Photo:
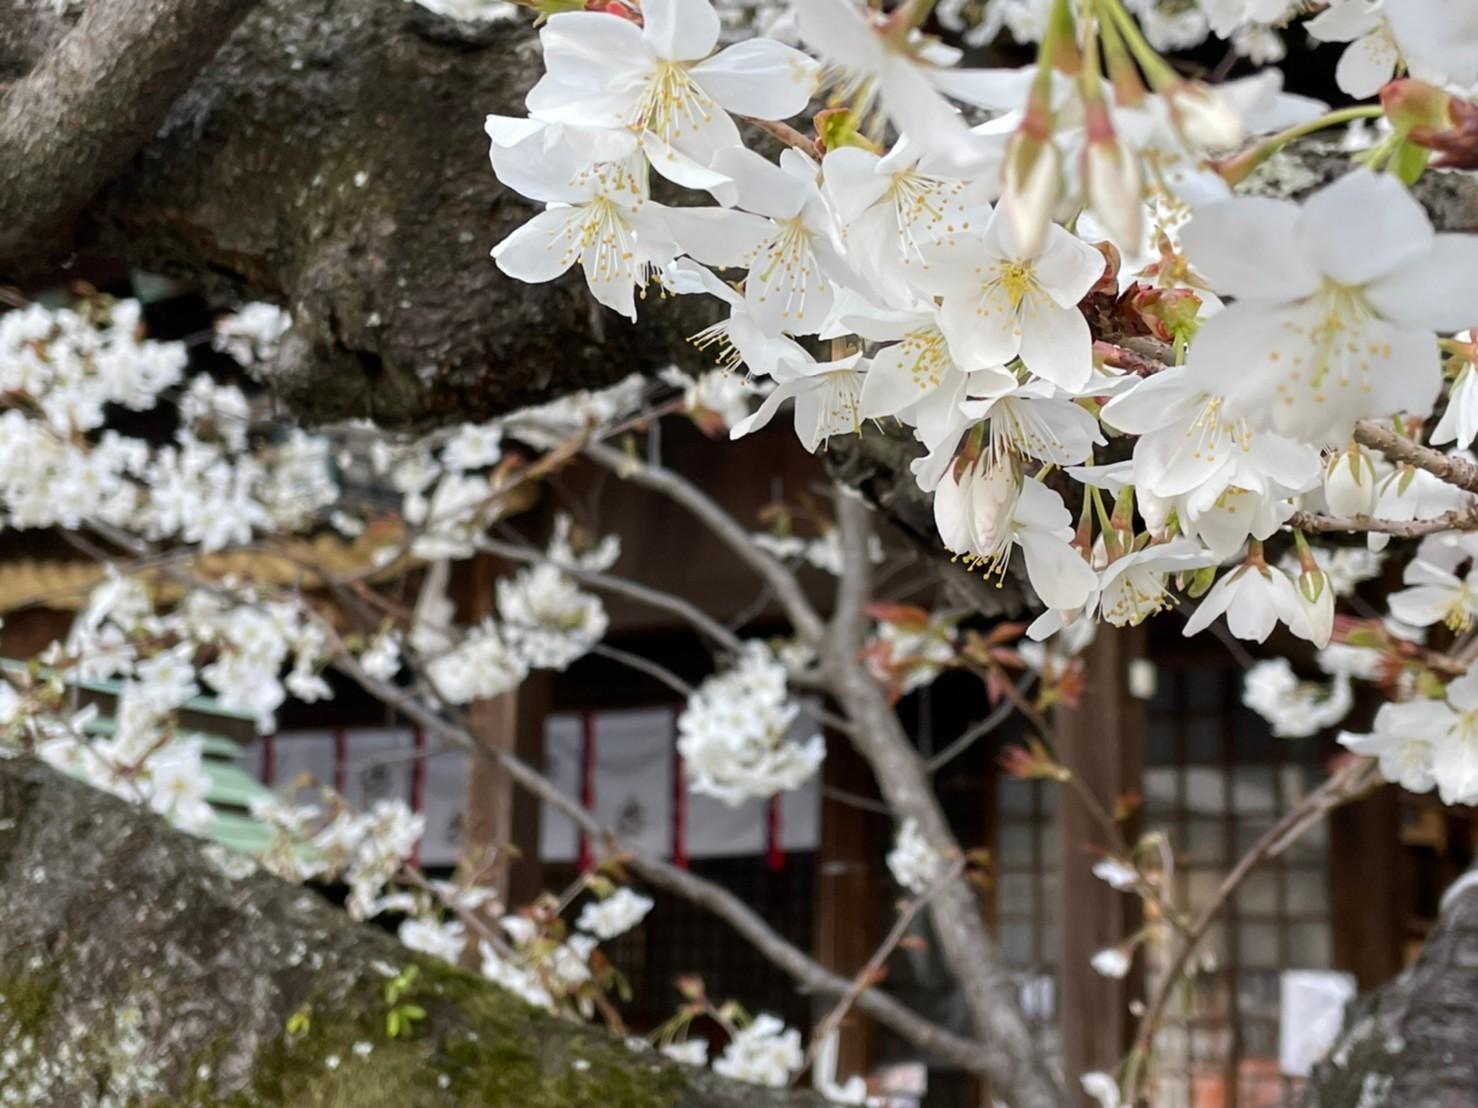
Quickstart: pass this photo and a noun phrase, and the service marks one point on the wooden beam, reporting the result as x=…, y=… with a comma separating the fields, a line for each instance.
x=1102, y=742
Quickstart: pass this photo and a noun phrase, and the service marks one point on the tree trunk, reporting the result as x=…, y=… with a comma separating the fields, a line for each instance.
x=331, y=157
x=134, y=969
x=1413, y=1043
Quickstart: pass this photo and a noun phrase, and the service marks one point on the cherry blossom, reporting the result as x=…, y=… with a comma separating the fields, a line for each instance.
x=615, y=914
x=913, y=863
x=1329, y=326
x=1000, y=300
x=763, y=1053
x=662, y=82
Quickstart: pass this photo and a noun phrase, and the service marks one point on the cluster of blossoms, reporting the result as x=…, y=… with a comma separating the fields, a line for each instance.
x=162, y=660
x=544, y=621
x=1295, y=709
x=765, y=1052
x=939, y=266
x=61, y=370
x=735, y=733
x=913, y=863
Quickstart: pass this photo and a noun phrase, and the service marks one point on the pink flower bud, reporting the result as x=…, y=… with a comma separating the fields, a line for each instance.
x=1411, y=103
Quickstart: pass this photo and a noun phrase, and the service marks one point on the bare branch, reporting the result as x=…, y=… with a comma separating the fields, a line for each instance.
x=977, y=731
x=680, y=490
x=871, y=970
x=72, y=124
x=1399, y=448
x=1009, y=1054
x=644, y=665
x=786, y=134
x=1457, y=520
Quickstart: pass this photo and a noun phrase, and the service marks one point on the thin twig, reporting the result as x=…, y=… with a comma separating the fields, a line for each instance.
x=680, y=490
x=786, y=134
x=872, y=968
x=644, y=665
x=977, y=731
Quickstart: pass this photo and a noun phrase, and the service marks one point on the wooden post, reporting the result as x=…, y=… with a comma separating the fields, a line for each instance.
x=496, y=815
x=1102, y=742
x=1369, y=887
x=488, y=824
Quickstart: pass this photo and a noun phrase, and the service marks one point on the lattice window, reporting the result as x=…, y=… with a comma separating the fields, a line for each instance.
x=1026, y=897
x=1215, y=780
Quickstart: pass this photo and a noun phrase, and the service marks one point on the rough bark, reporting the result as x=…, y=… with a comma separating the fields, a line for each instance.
x=1413, y=1043
x=96, y=96
x=332, y=158
x=134, y=970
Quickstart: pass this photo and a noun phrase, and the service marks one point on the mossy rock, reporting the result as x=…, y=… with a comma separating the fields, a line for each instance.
x=135, y=971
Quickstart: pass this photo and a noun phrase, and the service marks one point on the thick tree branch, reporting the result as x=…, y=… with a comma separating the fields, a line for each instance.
x=1413, y=1041
x=92, y=101
x=142, y=972
x=1008, y=1054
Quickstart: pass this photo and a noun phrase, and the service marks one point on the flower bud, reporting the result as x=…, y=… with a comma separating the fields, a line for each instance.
x=1316, y=597
x=1031, y=187
x=1170, y=314
x=1112, y=961
x=1113, y=184
x=1204, y=118
x=1411, y=103
x=1349, y=482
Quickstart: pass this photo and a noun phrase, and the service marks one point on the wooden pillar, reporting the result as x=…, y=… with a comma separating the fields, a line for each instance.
x=488, y=825
x=499, y=821
x=1102, y=742
x=848, y=927
x=1369, y=887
